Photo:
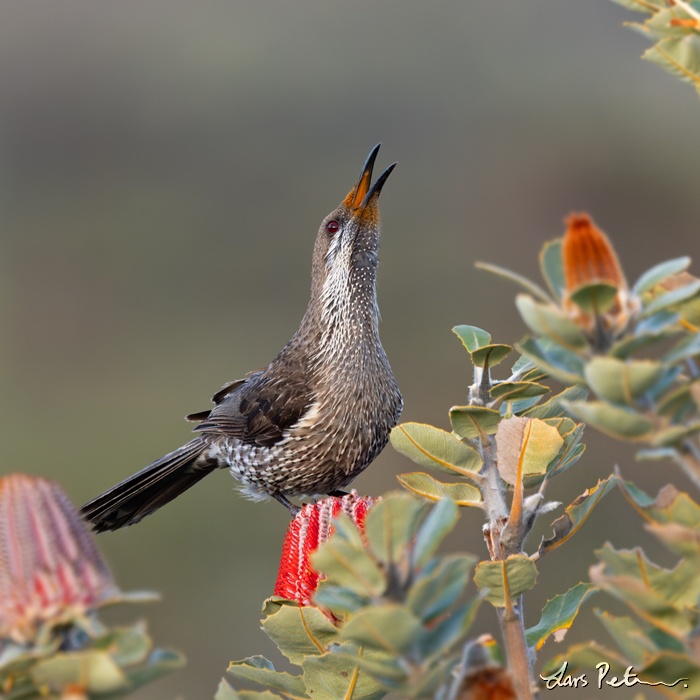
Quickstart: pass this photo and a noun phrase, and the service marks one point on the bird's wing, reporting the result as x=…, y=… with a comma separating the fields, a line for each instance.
x=259, y=409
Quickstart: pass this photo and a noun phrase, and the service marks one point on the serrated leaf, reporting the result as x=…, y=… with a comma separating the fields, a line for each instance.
x=552, y=267
x=555, y=361
x=554, y=408
x=621, y=382
x=434, y=448
x=391, y=628
x=259, y=670
x=515, y=575
x=490, y=355
x=391, y=525
x=300, y=631
x=525, y=446
x=512, y=391
x=669, y=505
x=660, y=272
x=617, y=422
x=680, y=294
x=441, y=519
x=525, y=283
x=472, y=337
x=546, y=319
x=349, y=567
x=434, y=593
x=471, y=422
x=425, y=485
x=558, y=615
x=576, y=514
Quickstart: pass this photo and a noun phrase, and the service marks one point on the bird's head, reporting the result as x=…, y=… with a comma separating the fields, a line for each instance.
x=346, y=251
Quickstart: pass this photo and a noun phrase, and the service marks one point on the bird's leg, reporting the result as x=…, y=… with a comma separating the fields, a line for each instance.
x=338, y=493
x=287, y=504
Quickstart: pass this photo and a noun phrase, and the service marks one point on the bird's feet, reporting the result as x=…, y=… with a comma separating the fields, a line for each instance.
x=287, y=504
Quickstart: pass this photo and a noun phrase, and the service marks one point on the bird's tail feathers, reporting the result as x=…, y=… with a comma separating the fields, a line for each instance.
x=147, y=490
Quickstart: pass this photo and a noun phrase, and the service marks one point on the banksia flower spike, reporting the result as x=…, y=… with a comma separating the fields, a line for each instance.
x=50, y=569
x=596, y=295
x=297, y=580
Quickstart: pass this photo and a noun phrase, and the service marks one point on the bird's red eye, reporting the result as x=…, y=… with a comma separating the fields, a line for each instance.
x=333, y=226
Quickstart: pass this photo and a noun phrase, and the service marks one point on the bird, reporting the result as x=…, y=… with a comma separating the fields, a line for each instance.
x=322, y=410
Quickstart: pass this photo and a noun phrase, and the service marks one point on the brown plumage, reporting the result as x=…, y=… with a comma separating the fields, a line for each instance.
x=322, y=410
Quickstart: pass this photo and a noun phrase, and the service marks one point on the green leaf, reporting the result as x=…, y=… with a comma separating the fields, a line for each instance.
x=471, y=422
x=679, y=56
x=554, y=360
x=660, y=272
x=516, y=574
x=659, y=595
x=576, y=514
x=298, y=631
x=571, y=453
x=555, y=407
x=425, y=485
x=617, y=422
x=160, y=663
x=525, y=283
x=435, y=592
x=490, y=355
x=338, y=676
x=688, y=347
x=441, y=519
x=563, y=425
x=450, y=630
x=596, y=298
x=512, y=391
x=669, y=505
x=226, y=692
x=680, y=294
x=95, y=671
x=434, y=448
x=546, y=319
x=552, y=267
x=526, y=446
x=674, y=435
x=349, y=567
x=391, y=525
x=391, y=628
x=558, y=615
x=338, y=599
x=472, y=337
x=260, y=670
x=628, y=635
x=621, y=382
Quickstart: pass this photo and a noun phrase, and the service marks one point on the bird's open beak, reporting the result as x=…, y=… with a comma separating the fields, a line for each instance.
x=362, y=194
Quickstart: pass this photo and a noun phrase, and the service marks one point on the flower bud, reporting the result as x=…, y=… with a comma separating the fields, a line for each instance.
x=312, y=525
x=50, y=569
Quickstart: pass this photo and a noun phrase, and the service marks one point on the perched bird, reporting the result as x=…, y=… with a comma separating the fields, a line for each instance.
x=323, y=409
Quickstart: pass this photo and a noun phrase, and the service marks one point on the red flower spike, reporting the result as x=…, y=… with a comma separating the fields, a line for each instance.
x=589, y=257
x=312, y=526
x=50, y=569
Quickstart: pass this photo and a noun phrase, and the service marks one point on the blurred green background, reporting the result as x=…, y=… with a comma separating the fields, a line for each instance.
x=164, y=167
